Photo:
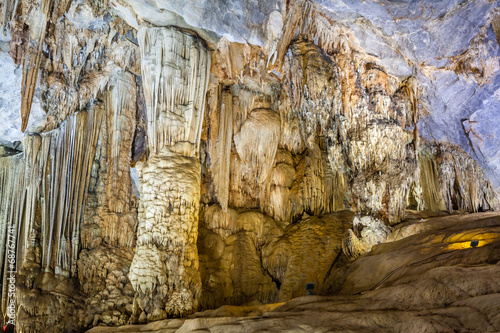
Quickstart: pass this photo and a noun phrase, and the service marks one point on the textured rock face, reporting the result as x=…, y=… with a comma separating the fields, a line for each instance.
x=189, y=155
x=165, y=265
x=248, y=256
x=365, y=233
x=427, y=278
x=164, y=272
x=238, y=21
x=452, y=48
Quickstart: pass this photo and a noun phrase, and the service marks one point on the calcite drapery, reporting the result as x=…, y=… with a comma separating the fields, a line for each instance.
x=164, y=272
x=451, y=180
x=110, y=219
x=43, y=192
x=175, y=68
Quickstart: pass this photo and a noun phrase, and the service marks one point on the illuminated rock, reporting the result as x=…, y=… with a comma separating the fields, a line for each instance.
x=181, y=156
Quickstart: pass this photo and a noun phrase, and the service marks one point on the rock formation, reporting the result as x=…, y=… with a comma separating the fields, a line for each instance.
x=164, y=271
x=411, y=284
x=164, y=157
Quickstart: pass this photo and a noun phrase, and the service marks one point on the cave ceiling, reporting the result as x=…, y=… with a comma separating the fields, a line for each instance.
x=450, y=46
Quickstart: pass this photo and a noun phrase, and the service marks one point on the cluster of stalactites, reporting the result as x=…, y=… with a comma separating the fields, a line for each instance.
x=50, y=39
x=257, y=142
x=304, y=20
x=362, y=128
x=113, y=221
x=37, y=22
x=451, y=180
x=175, y=72
x=43, y=190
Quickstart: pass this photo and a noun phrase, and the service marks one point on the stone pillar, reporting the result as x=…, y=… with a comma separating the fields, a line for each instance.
x=164, y=271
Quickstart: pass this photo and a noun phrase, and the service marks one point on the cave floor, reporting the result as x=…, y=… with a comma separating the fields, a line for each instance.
x=428, y=277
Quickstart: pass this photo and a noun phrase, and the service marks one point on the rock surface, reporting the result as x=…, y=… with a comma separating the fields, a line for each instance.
x=427, y=278
x=183, y=156
x=164, y=271
x=450, y=46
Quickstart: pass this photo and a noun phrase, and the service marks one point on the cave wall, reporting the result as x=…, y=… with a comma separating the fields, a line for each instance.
x=258, y=164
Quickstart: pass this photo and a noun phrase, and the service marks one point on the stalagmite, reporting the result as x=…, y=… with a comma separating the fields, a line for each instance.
x=164, y=271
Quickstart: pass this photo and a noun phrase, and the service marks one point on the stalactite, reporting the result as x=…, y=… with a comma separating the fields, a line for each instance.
x=12, y=184
x=220, y=149
x=312, y=190
x=120, y=104
x=302, y=132
x=84, y=66
x=363, y=131
x=295, y=21
x=328, y=36
x=49, y=177
x=175, y=93
x=31, y=66
x=451, y=180
x=257, y=142
x=429, y=181
x=9, y=10
x=410, y=87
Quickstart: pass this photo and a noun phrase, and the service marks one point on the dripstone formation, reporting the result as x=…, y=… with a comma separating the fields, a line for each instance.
x=164, y=271
x=181, y=157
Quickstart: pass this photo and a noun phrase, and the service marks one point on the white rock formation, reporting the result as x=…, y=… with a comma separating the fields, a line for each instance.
x=164, y=272
x=365, y=233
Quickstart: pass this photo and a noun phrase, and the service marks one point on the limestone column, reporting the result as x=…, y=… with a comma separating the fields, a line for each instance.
x=164, y=271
